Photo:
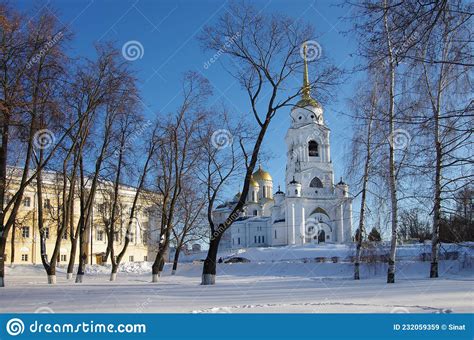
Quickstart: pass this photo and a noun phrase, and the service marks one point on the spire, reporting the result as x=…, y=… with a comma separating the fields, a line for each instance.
x=306, y=99
x=306, y=89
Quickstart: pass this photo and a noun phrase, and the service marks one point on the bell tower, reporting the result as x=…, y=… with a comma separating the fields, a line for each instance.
x=307, y=139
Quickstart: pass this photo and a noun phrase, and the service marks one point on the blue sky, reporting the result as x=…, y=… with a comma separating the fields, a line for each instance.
x=167, y=31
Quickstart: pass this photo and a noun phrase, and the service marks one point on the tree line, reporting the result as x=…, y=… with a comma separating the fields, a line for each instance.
x=412, y=151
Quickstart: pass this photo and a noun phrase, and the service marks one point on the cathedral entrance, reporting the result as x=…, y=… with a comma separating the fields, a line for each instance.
x=321, y=236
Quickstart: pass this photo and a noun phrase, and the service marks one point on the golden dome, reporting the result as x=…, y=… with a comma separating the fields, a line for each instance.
x=261, y=175
x=253, y=182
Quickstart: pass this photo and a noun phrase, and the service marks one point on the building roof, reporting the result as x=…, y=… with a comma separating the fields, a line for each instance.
x=261, y=175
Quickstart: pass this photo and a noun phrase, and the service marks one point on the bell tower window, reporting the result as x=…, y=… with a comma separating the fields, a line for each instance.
x=313, y=149
x=316, y=183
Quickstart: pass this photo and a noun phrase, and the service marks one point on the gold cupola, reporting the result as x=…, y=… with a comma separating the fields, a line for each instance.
x=261, y=175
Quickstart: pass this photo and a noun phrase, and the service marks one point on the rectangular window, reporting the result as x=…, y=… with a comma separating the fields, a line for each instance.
x=275, y=234
x=27, y=202
x=100, y=235
x=259, y=239
x=116, y=236
x=63, y=258
x=46, y=233
x=238, y=240
x=47, y=203
x=145, y=258
x=24, y=257
x=130, y=258
x=255, y=239
x=64, y=237
x=263, y=239
x=25, y=232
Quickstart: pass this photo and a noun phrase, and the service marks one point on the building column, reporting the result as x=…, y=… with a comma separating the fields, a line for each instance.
x=303, y=227
x=340, y=230
x=292, y=224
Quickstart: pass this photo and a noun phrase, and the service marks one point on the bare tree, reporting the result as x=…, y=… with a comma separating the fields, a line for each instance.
x=367, y=106
x=24, y=99
x=151, y=146
x=190, y=226
x=104, y=85
x=265, y=51
x=442, y=85
x=177, y=156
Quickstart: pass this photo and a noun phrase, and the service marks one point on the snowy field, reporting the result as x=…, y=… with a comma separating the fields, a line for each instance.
x=276, y=280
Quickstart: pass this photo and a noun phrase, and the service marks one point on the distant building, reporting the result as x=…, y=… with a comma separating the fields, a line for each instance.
x=312, y=209
x=26, y=236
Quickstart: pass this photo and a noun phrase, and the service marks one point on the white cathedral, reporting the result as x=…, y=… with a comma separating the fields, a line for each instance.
x=312, y=210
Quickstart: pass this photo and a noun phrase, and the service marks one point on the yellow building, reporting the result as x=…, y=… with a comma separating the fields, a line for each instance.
x=25, y=237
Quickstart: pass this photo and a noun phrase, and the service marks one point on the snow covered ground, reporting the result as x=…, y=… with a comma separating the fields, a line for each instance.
x=287, y=279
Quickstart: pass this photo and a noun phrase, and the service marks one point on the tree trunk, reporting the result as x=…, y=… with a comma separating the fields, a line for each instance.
x=12, y=245
x=437, y=194
x=175, y=260
x=159, y=263
x=210, y=264
x=113, y=274
x=72, y=258
x=392, y=174
x=364, y=189
x=82, y=258
x=3, y=245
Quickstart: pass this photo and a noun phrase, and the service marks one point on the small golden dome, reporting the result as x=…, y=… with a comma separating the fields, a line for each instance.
x=253, y=182
x=261, y=175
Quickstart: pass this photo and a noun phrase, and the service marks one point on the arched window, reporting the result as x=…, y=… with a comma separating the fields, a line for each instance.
x=313, y=149
x=316, y=183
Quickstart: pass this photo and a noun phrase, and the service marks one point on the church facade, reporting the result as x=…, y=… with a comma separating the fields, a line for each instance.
x=312, y=209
